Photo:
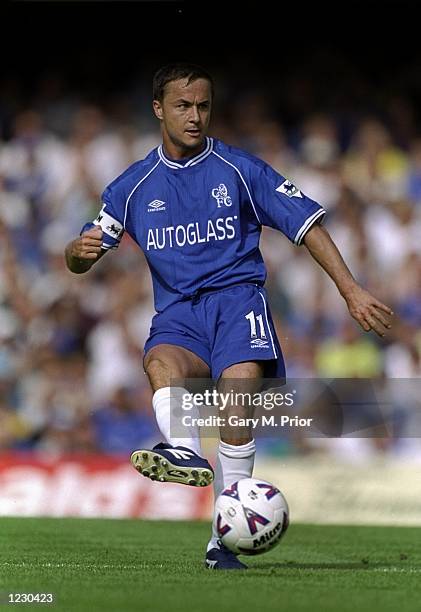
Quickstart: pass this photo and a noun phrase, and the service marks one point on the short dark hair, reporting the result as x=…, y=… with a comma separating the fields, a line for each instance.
x=174, y=72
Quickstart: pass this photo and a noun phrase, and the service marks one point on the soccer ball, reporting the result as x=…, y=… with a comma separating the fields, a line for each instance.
x=251, y=516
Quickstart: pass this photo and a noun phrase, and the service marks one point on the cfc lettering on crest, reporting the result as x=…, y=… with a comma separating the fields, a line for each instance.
x=221, y=196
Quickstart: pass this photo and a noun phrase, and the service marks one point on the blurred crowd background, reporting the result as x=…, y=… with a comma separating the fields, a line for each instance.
x=71, y=346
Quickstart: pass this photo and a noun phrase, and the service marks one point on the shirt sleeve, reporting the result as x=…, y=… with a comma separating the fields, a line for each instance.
x=281, y=205
x=110, y=221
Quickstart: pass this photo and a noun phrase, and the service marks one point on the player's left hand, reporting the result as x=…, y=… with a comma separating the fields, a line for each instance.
x=368, y=311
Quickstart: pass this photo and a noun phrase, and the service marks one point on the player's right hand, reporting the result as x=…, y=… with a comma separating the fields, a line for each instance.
x=88, y=245
x=368, y=311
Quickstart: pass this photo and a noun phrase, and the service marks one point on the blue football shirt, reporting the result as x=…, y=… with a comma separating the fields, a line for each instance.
x=199, y=222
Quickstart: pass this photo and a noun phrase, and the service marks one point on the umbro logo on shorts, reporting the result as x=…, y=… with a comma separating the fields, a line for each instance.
x=258, y=343
x=156, y=205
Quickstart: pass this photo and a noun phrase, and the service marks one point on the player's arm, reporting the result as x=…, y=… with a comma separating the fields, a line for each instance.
x=363, y=307
x=281, y=205
x=83, y=252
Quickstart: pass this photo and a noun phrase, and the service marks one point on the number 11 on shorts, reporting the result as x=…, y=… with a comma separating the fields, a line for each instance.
x=251, y=317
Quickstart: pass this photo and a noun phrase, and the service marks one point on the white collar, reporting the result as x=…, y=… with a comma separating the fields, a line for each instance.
x=192, y=162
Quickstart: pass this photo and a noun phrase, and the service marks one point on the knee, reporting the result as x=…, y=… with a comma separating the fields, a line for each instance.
x=165, y=364
x=163, y=367
x=158, y=371
x=156, y=364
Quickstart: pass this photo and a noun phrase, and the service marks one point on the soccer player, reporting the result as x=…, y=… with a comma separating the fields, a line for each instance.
x=195, y=206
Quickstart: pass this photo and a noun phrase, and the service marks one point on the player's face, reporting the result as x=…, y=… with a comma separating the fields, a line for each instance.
x=184, y=114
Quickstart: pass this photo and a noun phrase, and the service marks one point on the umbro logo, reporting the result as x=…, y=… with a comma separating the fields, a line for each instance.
x=156, y=205
x=258, y=343
x=289, y=190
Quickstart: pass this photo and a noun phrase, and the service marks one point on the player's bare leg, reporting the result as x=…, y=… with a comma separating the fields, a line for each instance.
x=240, y=378
x=237, y=448
x=177, y=459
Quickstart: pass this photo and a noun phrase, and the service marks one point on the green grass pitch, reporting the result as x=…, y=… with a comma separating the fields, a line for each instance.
x=147, y=566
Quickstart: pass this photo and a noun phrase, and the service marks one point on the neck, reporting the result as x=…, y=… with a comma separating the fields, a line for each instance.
x=176, y=151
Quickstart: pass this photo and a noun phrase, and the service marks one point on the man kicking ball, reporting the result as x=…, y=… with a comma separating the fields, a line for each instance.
x=195, y=206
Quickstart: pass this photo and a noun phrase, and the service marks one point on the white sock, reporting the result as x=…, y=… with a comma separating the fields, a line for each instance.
x=167, y=400
x=233, y=463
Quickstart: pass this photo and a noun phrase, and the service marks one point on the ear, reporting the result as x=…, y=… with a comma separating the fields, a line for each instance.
x=157, y=107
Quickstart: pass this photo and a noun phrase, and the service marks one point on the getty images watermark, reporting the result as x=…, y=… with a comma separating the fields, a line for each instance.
x=224, y=402
x=352, y=407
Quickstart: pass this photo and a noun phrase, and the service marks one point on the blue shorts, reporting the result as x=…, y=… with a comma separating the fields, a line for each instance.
x=222, y=327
